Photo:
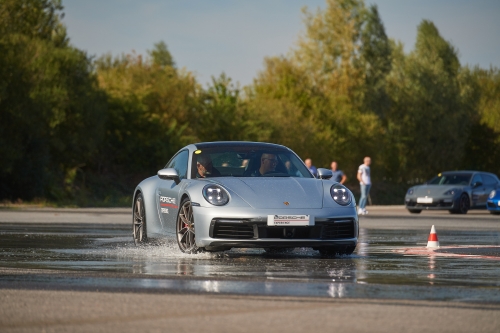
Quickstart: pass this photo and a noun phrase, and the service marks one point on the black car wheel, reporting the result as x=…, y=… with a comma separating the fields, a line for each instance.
x=139, y=221
x=185, y=228
x=336, y=250
x=415, y=211
x=463, y=205
x=494, y=213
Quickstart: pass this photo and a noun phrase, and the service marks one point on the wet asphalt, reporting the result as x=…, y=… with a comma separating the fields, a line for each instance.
x=93, y=250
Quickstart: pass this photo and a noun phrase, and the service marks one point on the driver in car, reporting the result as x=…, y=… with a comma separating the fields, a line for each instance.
x=268, y=164
x=205, y=167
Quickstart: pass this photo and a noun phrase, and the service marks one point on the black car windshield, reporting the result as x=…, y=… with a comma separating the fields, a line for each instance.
x=247, y=161
x=451, y=179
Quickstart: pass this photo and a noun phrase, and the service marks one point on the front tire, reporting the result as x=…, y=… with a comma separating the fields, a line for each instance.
x=415, y=211
x=139, y=221
x=186, y=237
x=463, y=205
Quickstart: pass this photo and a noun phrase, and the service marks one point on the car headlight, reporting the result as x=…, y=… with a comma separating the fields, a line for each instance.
x=216, y=195
x=410, y=191
x=492, y=194
x=451, y=192
x=341, y=195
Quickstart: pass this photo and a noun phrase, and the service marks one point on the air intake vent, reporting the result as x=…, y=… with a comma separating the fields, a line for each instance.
x=232, y=230
x=338, y=230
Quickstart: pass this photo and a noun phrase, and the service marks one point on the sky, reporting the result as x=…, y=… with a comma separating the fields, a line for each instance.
x=209, y=37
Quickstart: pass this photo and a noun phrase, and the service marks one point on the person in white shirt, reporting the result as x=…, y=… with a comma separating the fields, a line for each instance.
x=365, y=183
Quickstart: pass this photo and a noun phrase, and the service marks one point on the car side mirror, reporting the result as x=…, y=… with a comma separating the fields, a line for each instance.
x=324, y=173
x=477, y=184
x=169, y=174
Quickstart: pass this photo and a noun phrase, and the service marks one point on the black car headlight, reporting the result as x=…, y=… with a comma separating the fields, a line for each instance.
x=340, y=194
x=410, y=192
x=492, y=194
x=216, y=195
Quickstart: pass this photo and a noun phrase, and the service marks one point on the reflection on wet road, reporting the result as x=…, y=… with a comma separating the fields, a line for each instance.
x=374, y=270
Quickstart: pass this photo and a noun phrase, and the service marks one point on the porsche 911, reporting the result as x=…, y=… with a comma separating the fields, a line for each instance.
x=216, y=196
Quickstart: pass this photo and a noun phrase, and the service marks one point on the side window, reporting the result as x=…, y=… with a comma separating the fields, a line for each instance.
x=477, y=178
x=489, y=180
x=180, y=164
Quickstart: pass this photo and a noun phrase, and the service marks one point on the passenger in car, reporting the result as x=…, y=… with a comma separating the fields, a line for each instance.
x=205, y=167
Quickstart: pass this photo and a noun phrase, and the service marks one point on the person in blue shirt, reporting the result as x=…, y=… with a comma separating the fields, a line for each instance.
x=338, y=175
x=312, y=168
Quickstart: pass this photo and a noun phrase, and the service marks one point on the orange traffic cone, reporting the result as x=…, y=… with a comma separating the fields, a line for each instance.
x=433, y=238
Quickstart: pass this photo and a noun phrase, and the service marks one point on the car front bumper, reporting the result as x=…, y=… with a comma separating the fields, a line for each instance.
x=246, y=227
x=493, y=205
x=446, y=203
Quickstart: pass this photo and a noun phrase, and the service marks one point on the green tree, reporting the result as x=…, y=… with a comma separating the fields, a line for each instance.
x=150, y=107
x=376, y=59
x=161, y=56
x=427, y=118
x=482, y=92
x=221, y=116
x=34, y=19
x=51, y=111
x=315, y=95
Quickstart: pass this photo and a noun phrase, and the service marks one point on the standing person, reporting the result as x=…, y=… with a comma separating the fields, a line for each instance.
x=312, y=168
x=338, y=175
x=365, y=184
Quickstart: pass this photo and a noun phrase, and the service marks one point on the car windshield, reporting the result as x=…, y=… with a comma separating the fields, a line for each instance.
x=247, y=161
x=451, y=179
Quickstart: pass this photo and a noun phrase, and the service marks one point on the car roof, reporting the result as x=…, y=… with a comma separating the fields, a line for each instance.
x=466, y=171
x=462, y=172
x=469, y=171
x=260, y=145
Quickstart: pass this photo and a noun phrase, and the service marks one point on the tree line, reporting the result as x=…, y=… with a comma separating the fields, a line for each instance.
x=81, y=130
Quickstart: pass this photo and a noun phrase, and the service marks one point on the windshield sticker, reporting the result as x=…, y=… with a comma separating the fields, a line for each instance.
x=197, y=152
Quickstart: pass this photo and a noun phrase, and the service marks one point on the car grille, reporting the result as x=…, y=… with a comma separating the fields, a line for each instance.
x=246, y=229
x=338, y=230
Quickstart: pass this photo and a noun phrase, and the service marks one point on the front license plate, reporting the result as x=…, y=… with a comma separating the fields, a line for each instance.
x=424, y=200
x=289, y=220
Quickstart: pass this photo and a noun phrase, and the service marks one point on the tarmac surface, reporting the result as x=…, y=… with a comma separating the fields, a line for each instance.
x=78, y=270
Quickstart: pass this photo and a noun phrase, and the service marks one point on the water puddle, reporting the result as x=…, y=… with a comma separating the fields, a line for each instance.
x=374, y=270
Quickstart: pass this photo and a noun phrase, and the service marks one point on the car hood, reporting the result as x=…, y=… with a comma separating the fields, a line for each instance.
x=273, y=192
x=433, y=190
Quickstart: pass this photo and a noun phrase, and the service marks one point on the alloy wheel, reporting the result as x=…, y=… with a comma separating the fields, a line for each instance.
x=185, y=228
x=464, y=204
x=139, y=221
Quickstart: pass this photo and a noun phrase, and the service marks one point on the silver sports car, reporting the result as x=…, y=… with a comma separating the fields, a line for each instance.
x=218, y=195
x=456, y=191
